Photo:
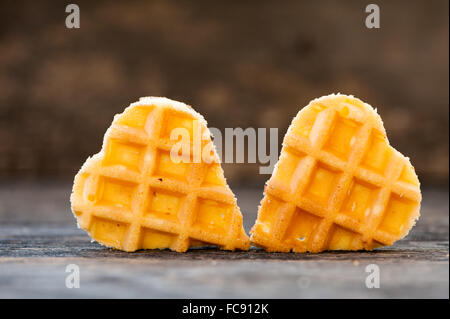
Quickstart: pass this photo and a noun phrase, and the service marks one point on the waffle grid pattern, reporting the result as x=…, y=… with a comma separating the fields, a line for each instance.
x=129, y=221
x=293, y=203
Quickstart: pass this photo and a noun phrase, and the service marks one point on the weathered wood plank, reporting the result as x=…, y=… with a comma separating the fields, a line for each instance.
x=38, y=239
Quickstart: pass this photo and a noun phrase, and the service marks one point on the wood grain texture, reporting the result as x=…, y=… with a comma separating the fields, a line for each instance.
x=39, y=238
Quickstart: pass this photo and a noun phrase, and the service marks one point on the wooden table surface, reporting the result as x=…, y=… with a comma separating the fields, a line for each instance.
x=39, y=238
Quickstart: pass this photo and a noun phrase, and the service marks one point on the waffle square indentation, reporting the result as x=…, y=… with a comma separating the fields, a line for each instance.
x=301, y=228
x=135, y=117
x=343, y=239
x=213, y=215
x=359, y=201
x=174, y=121
x=378, y=154
x=288, y=170
x=164, y=204
x=108, y=232
x=115, y=192
x=342, y=137
x=126, y=154
x=397, y=214
x=166, y=166
x=322, y=184
x=152, y=238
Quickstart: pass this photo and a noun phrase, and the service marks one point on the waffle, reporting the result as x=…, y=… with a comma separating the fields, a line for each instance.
x=338, y=184
x=132, y=195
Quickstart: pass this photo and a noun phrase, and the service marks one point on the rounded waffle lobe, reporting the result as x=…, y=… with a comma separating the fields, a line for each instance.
x=338, y=184
x=132, y=194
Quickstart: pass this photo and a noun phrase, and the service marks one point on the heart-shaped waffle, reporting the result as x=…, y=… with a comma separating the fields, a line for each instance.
x=133, y=195
x=338, y=184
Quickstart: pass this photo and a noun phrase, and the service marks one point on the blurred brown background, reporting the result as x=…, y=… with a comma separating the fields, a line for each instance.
x=241, y=64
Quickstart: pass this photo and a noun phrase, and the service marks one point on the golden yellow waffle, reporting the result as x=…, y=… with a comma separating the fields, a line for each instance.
x=132, y=195
x=338, y=184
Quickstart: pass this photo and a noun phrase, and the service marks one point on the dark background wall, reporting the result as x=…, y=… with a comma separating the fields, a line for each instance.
x=246, y=63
